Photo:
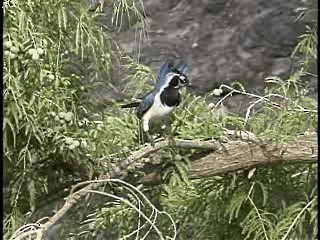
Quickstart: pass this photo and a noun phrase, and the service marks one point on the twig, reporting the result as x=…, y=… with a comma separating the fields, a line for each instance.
x=259, y=216
x=226, y=96
x=73, y=198
x=296, y=219
x=265, y=98
x=132, y=206
x=256, y=210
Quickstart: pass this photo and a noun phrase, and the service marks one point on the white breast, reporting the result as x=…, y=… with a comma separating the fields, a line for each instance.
x=157, y=110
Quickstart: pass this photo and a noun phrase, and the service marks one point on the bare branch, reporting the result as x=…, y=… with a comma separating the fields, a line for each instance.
x=237, y=155
x=265, y=99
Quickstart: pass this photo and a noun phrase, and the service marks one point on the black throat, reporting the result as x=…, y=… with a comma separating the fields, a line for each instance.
x=170, y=96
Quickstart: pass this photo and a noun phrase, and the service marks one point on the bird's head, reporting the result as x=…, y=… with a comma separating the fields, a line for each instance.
x=177, y=80
x=173, y=76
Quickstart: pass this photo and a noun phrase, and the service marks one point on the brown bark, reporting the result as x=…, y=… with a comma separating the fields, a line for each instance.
x=236, y=155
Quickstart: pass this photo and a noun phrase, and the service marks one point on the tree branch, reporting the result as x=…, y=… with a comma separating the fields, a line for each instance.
x=228, y=157
x=238, y=155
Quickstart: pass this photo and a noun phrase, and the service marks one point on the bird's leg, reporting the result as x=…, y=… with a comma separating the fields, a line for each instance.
x=146, y=130
x=150, y=138
x=171, y=135
x=170, y=130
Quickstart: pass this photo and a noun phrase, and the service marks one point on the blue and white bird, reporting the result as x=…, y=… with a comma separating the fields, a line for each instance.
x=165, y=95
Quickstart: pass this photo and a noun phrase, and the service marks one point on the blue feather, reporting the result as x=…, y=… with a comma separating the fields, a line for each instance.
x=166, y=68
x=145, y=104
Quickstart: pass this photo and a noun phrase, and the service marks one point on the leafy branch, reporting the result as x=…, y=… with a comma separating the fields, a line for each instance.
x=227, y=157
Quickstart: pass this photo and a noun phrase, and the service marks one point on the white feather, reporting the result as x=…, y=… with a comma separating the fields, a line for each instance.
x=157, y=110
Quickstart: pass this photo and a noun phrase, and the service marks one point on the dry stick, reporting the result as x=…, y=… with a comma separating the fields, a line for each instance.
x=128, y=186
x=132, y=206
x=261, y=98
x=26, y=234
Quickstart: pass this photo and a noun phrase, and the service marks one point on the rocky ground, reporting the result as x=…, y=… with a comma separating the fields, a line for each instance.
x=223, y=40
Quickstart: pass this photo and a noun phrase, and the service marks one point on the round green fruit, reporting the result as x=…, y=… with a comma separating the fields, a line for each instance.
x=177, y=157
x=40, y=51
x=72, y=146
x=8, y=44
x=12, y=55
x=84, y=144
x=51, y=76
x=14, y=49
x=35, y=56
x=76, y=143
x=32, y=51
x=68, y=116
x=69, y=140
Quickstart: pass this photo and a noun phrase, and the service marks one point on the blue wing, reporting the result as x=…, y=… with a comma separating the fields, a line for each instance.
x=165, y=69
x=145, y=104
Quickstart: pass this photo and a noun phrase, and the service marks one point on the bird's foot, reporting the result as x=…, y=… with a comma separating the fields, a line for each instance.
x=151, y=140
x=171, y=139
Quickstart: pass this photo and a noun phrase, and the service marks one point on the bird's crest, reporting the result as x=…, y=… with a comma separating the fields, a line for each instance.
x=183, y=68
x=168, y=67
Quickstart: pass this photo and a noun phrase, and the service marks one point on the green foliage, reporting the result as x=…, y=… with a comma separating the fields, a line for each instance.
x=293, y=115
x=197, y=118
x=56, y=56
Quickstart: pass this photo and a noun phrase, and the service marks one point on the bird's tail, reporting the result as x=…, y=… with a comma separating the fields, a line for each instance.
x=130, y=105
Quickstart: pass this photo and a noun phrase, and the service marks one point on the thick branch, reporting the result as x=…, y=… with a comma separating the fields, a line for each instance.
x=238, y=155
x=227, y=157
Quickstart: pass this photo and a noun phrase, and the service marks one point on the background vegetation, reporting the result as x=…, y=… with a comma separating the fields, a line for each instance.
x=56, y=134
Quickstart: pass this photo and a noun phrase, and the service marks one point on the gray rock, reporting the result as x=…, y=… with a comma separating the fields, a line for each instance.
x=223, y=41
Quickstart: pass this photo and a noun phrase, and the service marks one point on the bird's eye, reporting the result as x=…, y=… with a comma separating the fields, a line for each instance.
x=183, y=80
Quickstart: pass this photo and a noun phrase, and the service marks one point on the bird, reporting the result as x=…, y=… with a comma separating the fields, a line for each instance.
x=162, y=100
